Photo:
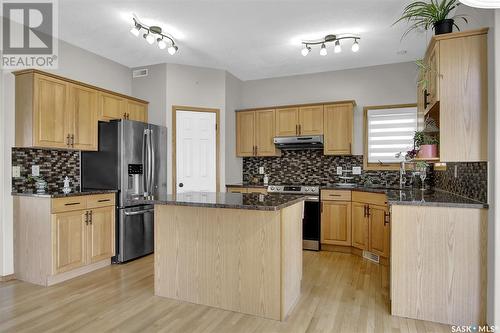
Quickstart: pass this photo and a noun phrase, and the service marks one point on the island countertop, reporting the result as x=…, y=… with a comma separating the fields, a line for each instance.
x=250, y=201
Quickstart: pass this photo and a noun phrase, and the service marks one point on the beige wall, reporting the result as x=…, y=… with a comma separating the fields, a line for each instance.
x=74, y=63
x=234, y=167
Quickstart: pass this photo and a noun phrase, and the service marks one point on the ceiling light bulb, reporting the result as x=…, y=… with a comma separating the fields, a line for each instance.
x=134, y=31
x=172, y=49
x=355, y=46
x=323, y=51
x=161, y=44
x=337, y=48
x=149, y=38
x=305, y=50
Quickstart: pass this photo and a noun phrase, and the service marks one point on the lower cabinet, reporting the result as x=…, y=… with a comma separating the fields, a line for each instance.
x=61, y=238
x=370, y=228
x=360, y=227
x=336, y=223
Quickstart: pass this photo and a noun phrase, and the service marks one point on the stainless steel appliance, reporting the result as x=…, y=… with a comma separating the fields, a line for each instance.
x=311, y=223
x=299, y=142
x=132, y=159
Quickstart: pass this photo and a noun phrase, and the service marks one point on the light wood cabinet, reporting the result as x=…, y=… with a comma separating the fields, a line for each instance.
x=83, y=118
x=255, y=133
x=303, y=120
x=455, y=89
x=58, y=239
x=259, y=190
x=69, y=235
x=287, y=122
x=56, y=112
x=338, y=125
x=379, y=230
x=137, y=111
x=336, y=223
x=360, y=228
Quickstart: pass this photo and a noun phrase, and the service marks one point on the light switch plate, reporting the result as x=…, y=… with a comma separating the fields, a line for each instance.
x=339, y=170
x=455, y=172
x=261, y=170
x=35, y=170
x=16, y=171
x=356, y=170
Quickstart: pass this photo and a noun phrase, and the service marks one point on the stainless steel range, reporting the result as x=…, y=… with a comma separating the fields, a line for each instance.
x=311, y=226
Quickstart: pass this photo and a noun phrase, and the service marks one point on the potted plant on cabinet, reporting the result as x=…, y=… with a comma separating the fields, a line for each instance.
x=435, y=14
x=426, y=145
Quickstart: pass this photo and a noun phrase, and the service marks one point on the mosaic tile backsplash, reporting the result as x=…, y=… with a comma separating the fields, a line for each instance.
x=54, y=166
x=311, y=167
x=471, y=180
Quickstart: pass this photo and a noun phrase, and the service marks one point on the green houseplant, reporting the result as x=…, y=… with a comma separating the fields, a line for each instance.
x=425, y=144
x=435, y=14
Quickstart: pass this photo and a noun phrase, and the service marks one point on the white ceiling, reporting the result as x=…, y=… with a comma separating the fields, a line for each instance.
x=250, y=39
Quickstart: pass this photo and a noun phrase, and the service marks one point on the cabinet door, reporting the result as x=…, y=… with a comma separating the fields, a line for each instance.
x=83, y=117
x=379, y=231
x=336, y=223
x=245, y=133
x=111, y=107
x=287, y=122
x=137, y=111
x=311, y=120
x=50, y=116
x=265, y=132
x=433, y=77
x=237, y=190
x=68, y=241
x=359, y=226
x=338, y=129
x=101, y=234
x=420, y=107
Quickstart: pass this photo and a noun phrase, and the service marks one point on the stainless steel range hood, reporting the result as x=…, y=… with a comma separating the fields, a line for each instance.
x=299, y=142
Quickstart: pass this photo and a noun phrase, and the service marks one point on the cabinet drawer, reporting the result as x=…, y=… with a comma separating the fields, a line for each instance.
x=370, y=198
x=69, y=204
x=237, y=189
x=257, y=190
x=336, y=195
x=101, y=200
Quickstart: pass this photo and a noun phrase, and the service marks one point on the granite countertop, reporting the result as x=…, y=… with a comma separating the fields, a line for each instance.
x=60, y=194
x=267, y=202
x=416, y=197
x=246, y=185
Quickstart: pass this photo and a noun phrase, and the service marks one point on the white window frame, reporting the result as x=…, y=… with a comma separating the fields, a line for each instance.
x=377, y=165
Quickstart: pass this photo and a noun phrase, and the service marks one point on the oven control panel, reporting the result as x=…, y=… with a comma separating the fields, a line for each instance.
x=293, y=189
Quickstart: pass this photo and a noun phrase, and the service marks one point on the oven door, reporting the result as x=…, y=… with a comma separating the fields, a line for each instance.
x=135, y=232
x=311, y=224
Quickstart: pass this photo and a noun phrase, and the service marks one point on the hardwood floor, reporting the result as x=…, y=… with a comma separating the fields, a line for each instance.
x=340, y=293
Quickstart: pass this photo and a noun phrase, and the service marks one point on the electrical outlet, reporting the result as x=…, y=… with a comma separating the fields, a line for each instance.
x=261, y=170
x=356, y=170
x=16, y=171
x=339, y=170
x=35, y=170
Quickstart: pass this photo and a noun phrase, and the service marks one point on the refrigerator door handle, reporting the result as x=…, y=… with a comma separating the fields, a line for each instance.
x=145, y=157
x=152, y=165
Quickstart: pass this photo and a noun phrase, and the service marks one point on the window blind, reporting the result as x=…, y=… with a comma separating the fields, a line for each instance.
x=390, y=131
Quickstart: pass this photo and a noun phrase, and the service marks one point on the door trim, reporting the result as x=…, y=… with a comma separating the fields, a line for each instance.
x=176, y=108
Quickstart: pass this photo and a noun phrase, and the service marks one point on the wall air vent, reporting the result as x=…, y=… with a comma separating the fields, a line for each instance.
x=371, y=256
x=139, y=72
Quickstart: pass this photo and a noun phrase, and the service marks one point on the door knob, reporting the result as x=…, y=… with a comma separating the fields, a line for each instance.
x=181, y=184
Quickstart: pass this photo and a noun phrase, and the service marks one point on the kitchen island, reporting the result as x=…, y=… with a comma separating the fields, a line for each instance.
x=239, y=252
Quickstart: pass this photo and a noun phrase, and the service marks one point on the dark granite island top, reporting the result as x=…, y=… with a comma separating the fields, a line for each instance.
x=249, y=201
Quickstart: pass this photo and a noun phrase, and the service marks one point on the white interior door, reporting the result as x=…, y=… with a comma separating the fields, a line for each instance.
x=196, y=151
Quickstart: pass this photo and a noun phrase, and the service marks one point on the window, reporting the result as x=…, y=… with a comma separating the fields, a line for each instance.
x=389, y=131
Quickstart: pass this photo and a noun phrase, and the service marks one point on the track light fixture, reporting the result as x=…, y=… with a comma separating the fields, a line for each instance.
x=330, y=39
x=152, y=34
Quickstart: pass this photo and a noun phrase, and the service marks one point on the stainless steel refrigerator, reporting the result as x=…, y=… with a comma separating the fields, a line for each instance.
x=132, y=159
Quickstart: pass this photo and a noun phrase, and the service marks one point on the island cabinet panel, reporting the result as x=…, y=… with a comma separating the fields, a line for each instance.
x=338, y=125
x=438, y=264
x=311, y=120
x=336, y=223
x=287, y=122
x=229, y=258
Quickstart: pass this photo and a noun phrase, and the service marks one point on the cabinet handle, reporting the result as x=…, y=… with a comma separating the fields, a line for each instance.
x=334, y=195
x=87, y=218
x=71, y=203
x=90, y=214
x=387, y=218
x=128, y=115
x=256, y=150
x=300, y=129
x=426, y=101
x=124, y=115
x=368, y=211
x=103, y=200
x=67, y=140
x=72, y=140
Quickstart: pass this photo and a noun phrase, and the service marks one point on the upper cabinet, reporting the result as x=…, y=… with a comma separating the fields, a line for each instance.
x=56, y=112
x=453, y=90
x=338, y=124
x=255, y=131
x=304, y=120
